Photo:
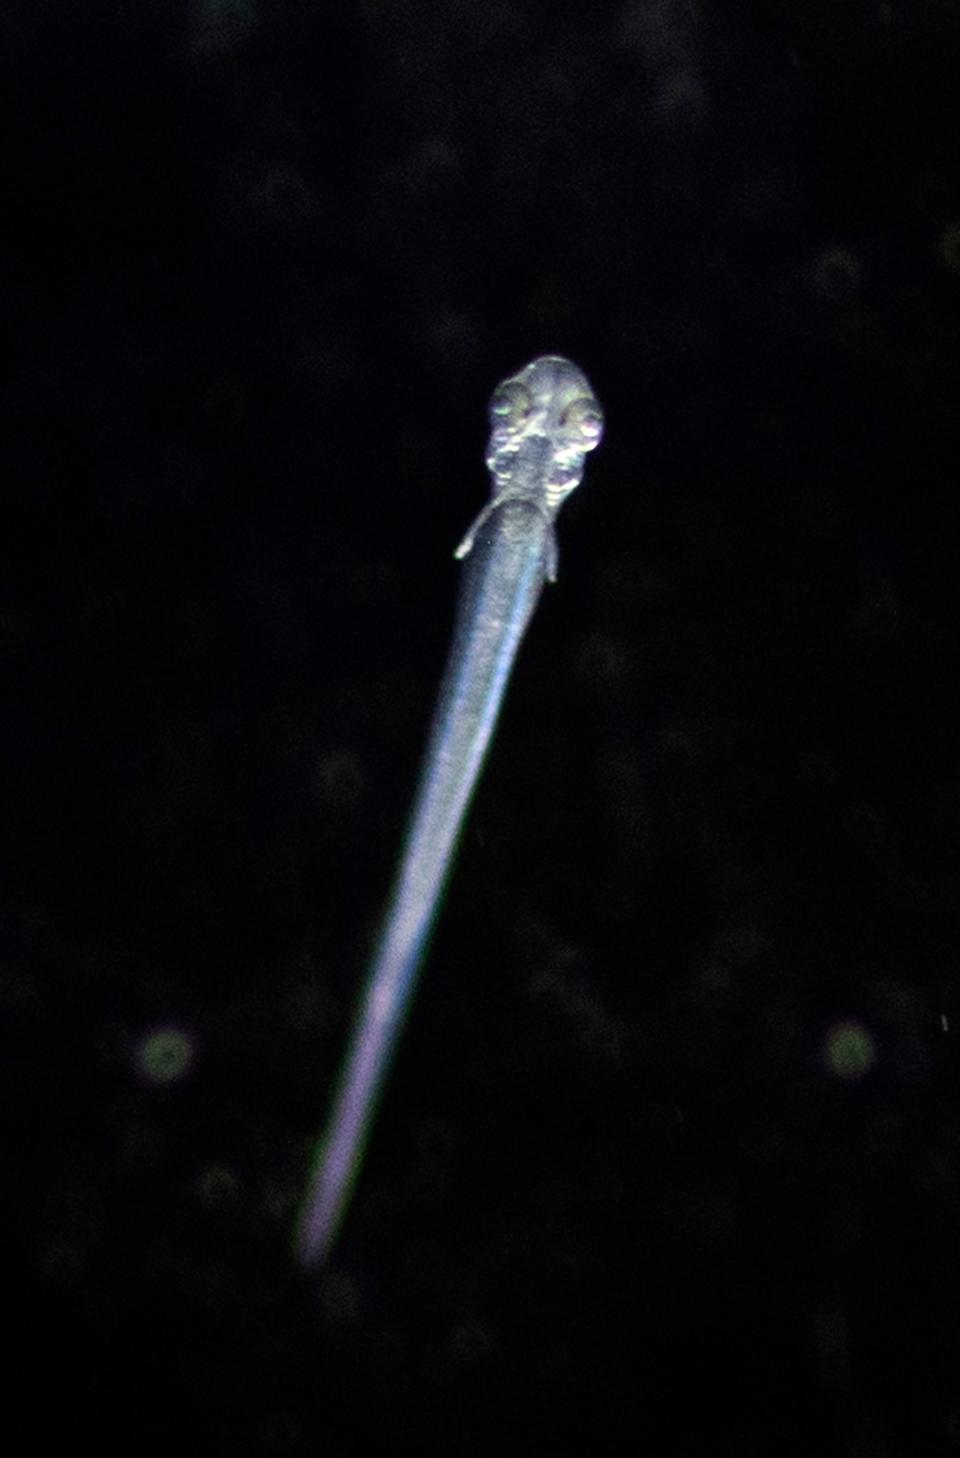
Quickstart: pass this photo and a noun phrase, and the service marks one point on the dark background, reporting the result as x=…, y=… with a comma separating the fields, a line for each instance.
x=669, y=1161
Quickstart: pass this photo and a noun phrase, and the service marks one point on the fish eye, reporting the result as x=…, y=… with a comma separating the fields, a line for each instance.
x=585, y=418
x=509, y=404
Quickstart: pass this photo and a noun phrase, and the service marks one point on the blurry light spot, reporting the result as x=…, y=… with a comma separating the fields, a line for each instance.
x=599, y=658
x=850, y=1050
x=220, y=26
x=948, y=247
x=217, y=1185
x=680, y=99
x=836, y=275
x=280, y=1200
x=470, y=1341
x=165, y=1055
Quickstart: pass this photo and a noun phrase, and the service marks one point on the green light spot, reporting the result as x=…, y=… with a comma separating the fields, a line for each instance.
x=850, y=1050
x=948, y=247
x=165, y=1055
x=217, y=1185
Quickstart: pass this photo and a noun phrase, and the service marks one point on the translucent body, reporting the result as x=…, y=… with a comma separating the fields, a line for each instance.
x=544, y=421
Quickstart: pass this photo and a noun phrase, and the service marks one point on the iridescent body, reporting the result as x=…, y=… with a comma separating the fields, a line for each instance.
x=544, y=421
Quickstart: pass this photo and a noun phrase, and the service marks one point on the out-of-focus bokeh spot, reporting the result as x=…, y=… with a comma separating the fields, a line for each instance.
x=948, y=247
x=165, y=1055
x=219, y=27
x=850, y=1051
x=835, y=275
x=217, y=1185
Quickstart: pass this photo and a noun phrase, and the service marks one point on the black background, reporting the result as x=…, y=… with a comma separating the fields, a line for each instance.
x=669, y=1160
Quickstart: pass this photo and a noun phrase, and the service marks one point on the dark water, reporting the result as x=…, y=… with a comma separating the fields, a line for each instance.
x=671, y=1146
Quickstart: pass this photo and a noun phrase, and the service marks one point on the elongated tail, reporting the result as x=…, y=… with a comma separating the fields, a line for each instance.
x=504, y=576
